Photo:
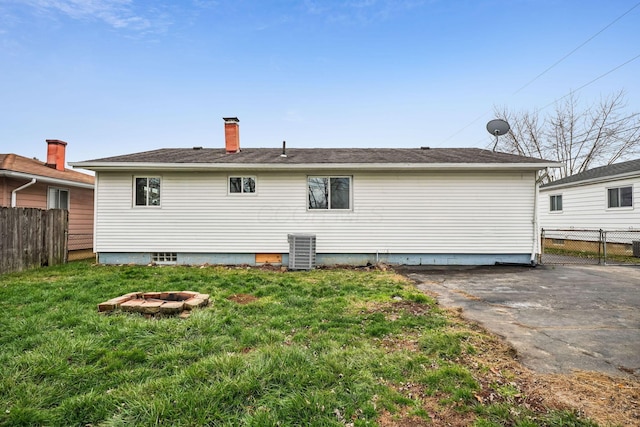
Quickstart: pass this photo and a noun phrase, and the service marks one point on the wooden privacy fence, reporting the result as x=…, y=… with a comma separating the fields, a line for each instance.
x=32, y=237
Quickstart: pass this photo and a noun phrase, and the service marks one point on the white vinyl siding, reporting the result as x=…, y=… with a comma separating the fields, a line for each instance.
x=587, y=207
x=391, y=212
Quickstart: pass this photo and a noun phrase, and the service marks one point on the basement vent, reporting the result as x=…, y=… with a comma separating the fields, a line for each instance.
x=302, y=251
x=164, y=257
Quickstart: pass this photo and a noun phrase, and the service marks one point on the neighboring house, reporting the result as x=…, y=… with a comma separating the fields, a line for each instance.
x=231, y=206
x=30, y=183
x=575, y=209
x=605, y=198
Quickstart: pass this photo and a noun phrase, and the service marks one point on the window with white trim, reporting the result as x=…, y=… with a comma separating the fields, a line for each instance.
x=620, y=197
x=146, y=191
x=242, y=184
x=555, y=203
x=329, y=192
x=58, y=198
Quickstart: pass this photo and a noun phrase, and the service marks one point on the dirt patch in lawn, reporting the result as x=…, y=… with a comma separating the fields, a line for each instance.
x=501, y=378
x=438, y=417
x=242, y=298
x=605, y=399
x=396, y=309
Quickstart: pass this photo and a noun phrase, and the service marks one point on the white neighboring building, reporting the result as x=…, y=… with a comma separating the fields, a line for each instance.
x=605, y=198
x=400, y=206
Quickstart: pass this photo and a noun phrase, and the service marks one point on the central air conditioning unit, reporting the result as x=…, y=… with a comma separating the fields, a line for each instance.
x=302, y=251
x=636, y=248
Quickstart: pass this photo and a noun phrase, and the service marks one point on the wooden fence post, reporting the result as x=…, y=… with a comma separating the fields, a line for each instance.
x=31, y=237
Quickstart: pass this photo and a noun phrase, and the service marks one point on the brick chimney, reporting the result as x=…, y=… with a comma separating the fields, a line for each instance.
x=56, y=154
x=231, y=134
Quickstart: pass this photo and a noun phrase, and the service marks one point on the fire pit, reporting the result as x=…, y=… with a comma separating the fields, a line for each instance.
x=151, y=303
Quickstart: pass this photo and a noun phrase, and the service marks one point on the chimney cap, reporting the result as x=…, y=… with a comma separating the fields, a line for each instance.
x=55, y=141
x=231, y=119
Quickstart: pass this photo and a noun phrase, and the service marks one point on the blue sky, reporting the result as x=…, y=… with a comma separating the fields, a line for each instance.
x=120, y=76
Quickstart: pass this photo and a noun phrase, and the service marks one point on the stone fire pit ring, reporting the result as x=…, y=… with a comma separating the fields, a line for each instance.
x=151, y=303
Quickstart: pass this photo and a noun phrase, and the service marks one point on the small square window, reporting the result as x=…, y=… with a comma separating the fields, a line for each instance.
x=242, y=184
x=147, y=191
x=555, y=203
x=58, y=198
x=620, y=197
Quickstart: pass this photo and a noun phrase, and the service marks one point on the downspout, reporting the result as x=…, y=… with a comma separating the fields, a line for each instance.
x=536, y=237
x=13, y=193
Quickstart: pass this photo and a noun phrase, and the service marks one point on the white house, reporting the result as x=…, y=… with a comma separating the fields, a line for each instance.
x=401, y=206
x=606, y=198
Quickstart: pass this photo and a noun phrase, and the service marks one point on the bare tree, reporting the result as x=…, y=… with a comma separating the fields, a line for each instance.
x=579, y=138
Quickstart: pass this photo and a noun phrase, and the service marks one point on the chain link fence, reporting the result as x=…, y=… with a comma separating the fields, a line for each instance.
x=621, y=247
x=570, y=246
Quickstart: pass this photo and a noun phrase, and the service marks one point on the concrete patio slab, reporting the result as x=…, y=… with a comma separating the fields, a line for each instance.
x=558, y=318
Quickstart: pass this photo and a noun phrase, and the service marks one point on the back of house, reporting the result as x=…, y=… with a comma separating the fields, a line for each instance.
x=357, y=206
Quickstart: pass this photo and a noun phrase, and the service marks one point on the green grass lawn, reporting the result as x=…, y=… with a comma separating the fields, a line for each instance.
x=319, y=348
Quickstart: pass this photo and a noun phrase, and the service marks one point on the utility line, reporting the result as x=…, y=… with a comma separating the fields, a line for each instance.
x=590, y=82
x=574, y=50
x=472, y=122
x=609, y=124
x=578, y=138
x=557, y=99
x=553, y=65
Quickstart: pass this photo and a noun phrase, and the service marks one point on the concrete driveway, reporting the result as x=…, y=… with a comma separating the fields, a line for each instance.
x=558, y=318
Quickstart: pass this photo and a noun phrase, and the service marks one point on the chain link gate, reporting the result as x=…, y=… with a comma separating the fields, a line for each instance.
x=573, y=246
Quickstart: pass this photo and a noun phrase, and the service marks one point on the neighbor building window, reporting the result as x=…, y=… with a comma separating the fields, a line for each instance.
x=242, y=184
x=58, y=198
x=555, y=203
x=147, y=191
x=332, y=192
x=620, y=197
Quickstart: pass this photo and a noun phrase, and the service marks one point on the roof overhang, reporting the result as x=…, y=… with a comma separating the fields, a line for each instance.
x=610, y=178
x=133, y=166
x=46, y=179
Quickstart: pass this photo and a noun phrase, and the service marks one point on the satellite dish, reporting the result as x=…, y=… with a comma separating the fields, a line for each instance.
x=498, y=127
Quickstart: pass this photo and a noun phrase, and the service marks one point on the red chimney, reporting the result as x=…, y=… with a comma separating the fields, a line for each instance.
x=56, y=153
x=231, y=134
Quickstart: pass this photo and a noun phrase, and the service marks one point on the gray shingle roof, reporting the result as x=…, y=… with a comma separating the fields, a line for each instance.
x=601, y=172
x=319, y=156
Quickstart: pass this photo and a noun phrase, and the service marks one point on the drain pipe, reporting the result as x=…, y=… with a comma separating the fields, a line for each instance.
x=534, y=246
x=13, y=193
x=536, y=238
